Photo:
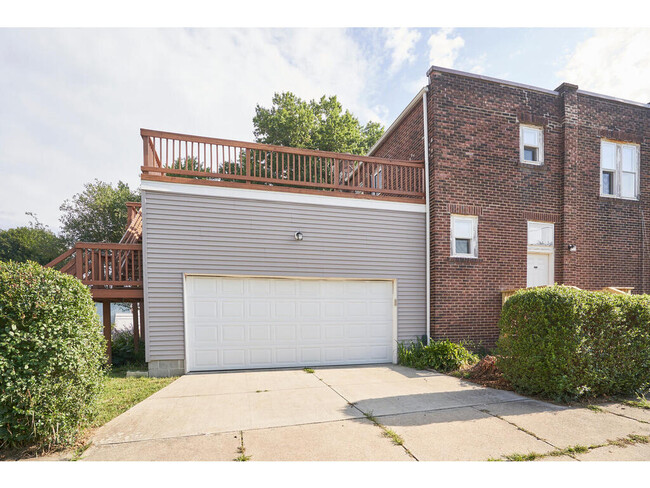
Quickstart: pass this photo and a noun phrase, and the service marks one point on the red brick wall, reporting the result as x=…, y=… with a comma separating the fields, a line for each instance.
x=475, y=170
x=474, y=158
x=406, y=142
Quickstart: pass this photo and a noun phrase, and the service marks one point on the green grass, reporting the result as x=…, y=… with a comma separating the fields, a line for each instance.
x=308, y=370
x=640, y=402
x=393, y=436
x=595, y=408
x=577, y=449
x=121, y=393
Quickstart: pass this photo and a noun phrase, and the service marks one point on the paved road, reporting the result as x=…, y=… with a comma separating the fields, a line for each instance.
x=356, y=413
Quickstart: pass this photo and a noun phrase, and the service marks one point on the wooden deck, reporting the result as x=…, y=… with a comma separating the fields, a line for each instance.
x=183, y=158
x=113, y=273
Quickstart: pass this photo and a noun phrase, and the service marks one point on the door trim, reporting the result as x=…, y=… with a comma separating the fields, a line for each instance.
x=393, y=281
x=550, y=253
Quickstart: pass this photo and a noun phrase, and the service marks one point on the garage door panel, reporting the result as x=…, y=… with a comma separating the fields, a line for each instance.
x=233, y=358
x=260, y=357
x=260, y=333
x=238, y=323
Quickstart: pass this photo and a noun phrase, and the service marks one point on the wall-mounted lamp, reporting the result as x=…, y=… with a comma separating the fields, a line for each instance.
x=298, y=236
x=572, y=248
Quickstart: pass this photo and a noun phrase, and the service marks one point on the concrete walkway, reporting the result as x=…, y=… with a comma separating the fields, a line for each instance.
x=366, y=413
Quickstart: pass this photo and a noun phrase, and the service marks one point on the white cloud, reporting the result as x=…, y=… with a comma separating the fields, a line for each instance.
x=612, y=62
x=401, y=42
x=444, y=47
x=476, y=65
x=73, y=101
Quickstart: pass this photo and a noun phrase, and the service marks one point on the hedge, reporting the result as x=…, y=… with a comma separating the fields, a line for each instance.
x=563, y=343
x=52, y=355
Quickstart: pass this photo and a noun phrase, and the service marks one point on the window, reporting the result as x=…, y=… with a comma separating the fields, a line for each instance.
x=541, y=235
x=619, y=170
x=464, y=236
x=531, y=144
x=377, y=181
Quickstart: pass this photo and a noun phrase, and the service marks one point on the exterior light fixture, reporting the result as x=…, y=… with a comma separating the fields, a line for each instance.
x=572, y=248
x=298, y=236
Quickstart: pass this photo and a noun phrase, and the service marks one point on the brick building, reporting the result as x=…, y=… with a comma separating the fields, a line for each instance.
x=528, y=187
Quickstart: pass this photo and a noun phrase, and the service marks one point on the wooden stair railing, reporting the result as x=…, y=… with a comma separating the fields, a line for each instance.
x=103, y=264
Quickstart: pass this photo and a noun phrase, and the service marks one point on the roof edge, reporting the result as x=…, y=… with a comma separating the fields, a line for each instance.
x=490, y=79
x=533, y=88
x=397, y=121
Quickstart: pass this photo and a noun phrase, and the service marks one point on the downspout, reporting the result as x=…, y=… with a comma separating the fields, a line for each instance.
x=428, y=209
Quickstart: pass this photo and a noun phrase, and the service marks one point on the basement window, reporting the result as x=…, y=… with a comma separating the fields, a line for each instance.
x=619, y=170
x=531, y=144
x=464, y=236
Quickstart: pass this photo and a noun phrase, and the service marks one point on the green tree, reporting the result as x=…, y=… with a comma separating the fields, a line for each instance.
x=98, y=213
x=317, y=124
x=35, y=242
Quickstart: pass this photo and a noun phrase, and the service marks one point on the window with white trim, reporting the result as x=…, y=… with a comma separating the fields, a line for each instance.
x=464, y=236
x=541, y=235
x=377, y=181
x=619, y=170
x=531, y=144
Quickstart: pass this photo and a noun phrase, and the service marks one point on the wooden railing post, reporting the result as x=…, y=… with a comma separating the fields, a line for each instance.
x=136, y=328
x=106, y=313
x=78, y=257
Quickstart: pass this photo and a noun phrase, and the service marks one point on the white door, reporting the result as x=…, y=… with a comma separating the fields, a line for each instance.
x=249, y=322
x=539, y=269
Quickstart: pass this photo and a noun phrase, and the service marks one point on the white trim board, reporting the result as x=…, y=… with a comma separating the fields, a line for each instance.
x=276, y=196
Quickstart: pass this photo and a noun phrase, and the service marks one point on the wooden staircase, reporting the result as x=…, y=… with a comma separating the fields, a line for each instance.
x=113, y=271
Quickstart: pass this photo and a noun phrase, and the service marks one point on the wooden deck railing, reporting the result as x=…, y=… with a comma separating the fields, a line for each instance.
x=101, y=264
x=204, y=160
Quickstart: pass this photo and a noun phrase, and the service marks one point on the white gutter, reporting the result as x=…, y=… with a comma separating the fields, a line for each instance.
x=428, y=207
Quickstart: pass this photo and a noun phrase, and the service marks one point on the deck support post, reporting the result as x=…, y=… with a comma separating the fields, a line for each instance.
x=142, y=321
x=106, y=313
x=136, y=327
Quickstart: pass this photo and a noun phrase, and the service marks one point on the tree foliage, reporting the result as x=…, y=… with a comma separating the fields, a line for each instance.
x=35, y=242
x=98, y=213
x=316, y=124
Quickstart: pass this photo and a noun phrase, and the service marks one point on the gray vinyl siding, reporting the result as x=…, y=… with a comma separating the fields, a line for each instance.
x=218, y=235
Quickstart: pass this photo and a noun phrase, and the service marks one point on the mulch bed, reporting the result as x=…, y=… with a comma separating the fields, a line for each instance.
x=486, y=373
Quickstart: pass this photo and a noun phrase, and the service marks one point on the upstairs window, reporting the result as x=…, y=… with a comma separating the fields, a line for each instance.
x=619, y=170
x=531, y=144
x=464, y=236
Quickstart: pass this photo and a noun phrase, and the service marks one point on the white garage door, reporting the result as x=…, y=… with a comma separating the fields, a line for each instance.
x=238, y=323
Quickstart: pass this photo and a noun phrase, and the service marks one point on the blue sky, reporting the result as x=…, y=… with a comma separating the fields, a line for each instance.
x=72, y=101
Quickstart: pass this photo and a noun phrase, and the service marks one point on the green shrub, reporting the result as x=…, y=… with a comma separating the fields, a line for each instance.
x=564, y=343
x=123, y=350
x=52, y=355
x=439, y=355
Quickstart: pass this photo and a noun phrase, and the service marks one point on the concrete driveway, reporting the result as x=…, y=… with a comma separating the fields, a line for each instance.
x=363, y=413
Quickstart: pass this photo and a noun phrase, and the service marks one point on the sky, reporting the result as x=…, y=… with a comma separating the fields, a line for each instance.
x=72, y=101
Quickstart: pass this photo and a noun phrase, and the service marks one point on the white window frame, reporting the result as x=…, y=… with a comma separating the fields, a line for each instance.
x=539, y=147
x=542, y=249
x=473, y=250
x=618, y=171
x=377, y=175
